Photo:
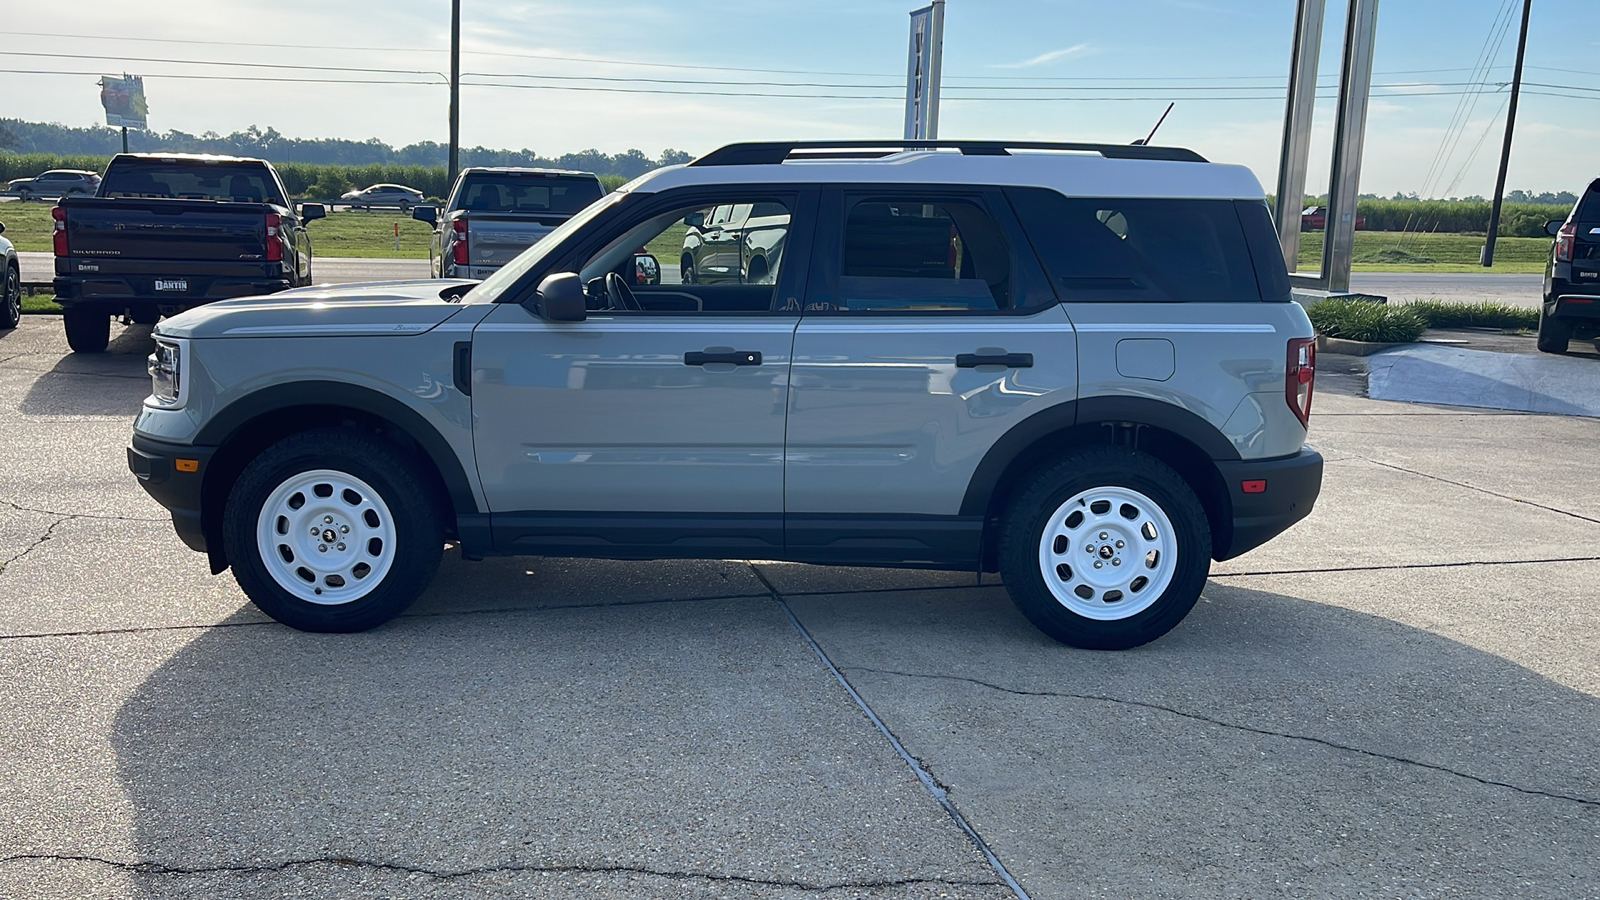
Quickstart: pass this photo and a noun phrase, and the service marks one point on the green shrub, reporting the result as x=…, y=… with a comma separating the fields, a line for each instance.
x=1441, y=314
x=1363, y=320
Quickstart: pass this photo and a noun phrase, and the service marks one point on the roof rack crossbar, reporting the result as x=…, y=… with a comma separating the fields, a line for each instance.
x=766, y=153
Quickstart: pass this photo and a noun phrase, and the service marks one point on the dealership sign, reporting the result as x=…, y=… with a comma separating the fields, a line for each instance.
x=123, y=99
x=922, y=72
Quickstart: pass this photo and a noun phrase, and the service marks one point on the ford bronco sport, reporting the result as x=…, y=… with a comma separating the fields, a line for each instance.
x=1077, y=365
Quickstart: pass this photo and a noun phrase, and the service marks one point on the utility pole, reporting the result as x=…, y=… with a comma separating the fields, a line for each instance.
x=1505, y=151
x=455, y=91
x=124, y=139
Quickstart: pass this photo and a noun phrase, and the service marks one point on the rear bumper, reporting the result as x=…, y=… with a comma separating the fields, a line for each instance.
x=1569, y=305
x=1288, y=488
x=117, y=291
x=155, y=464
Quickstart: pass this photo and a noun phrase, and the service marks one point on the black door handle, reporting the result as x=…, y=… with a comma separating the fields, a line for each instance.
x=463, y=367
x=733, y=357
x=1009, y=360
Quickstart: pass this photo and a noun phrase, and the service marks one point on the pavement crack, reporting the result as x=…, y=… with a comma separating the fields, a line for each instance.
x=48, y=534
x=1394, y=566
x=1472, y=487
x=936, y=788
x=56, y=512
x=1222, y=723
x=153, y=868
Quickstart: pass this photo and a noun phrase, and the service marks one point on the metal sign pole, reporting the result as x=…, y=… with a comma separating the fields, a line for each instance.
x=1297, y=125
x=935, y=65
x=1349, y=136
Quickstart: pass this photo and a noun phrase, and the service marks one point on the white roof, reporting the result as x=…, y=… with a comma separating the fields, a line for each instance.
x=1075, y=174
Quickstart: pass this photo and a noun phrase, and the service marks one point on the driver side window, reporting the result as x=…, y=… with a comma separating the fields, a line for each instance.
x=700, y=258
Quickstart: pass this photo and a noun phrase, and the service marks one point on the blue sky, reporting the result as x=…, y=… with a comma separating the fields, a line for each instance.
x=1120, y=61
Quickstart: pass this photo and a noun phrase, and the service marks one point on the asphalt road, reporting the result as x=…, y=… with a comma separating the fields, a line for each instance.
x=1398, y=698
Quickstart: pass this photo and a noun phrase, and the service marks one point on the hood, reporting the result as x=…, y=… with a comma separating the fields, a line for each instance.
x=397, y=308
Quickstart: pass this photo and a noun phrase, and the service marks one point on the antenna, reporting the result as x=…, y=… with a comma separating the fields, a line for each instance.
x=1153, y=131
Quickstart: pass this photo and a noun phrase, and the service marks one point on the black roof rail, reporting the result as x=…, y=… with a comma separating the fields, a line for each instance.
x=766, y=153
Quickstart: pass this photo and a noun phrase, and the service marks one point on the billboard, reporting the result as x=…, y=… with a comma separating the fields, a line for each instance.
x=123, y=99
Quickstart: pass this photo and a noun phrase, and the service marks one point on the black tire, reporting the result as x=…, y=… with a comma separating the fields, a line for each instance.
x=24, y=196
x=415, y=522
x=756, y=271
x=1034, y=508
x=11, y=299
x=686, y=270
x=88, y=330
x=1554, y=334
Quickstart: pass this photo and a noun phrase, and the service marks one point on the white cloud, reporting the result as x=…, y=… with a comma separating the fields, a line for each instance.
x=1043, y=58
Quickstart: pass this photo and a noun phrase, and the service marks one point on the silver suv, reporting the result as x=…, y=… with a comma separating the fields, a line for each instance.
x=1077, y=365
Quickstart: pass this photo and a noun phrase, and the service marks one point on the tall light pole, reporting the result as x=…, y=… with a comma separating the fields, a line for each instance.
x=1505, y=151
x=455, y=91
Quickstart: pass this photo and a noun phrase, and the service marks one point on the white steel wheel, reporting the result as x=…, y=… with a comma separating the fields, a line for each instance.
x=1108, y=553
x=1104, y=548
x=326, y=537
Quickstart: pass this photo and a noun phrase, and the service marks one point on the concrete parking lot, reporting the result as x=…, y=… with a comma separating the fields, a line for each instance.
x=1399, y=698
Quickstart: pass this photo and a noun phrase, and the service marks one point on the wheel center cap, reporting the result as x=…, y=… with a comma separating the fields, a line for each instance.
x=329, y=535
x=1106, y=552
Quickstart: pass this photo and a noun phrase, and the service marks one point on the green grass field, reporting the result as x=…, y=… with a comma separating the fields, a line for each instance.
x=371, y=235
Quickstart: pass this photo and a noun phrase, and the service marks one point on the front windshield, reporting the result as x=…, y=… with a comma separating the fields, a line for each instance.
x=490, y=289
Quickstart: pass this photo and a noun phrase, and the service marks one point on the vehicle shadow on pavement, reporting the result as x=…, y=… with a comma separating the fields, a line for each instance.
x=699, y=747
x=113, y=383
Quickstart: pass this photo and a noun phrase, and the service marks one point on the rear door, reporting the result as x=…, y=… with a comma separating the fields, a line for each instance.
x=928, y=332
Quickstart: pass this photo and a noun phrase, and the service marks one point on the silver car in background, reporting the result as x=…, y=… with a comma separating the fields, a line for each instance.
x=384, y=196
x=55, y=184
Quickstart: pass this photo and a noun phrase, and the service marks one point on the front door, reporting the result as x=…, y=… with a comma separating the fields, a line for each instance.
x=653, y=428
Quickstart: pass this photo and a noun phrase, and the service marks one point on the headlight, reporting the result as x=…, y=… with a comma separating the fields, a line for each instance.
x=166, y=373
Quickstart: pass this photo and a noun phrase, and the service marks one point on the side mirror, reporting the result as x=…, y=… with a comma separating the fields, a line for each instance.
x=429, y=214
x=2, y=228
x=560, y=298
x=310, y=211
x=695, y=220
x=646, y=269
x=1553, y=227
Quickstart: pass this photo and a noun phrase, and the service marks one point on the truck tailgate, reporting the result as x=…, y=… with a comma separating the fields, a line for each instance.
x=496, y=240
x=141, y=229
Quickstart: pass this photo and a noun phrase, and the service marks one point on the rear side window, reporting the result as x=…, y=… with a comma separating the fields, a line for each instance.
x=1125, y=250
x=918, y=255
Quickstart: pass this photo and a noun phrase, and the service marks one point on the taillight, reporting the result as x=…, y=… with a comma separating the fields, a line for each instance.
x=1565, y=239
x=60, y=236
x=1299, y=375
x=274, y=241
x=459, y=250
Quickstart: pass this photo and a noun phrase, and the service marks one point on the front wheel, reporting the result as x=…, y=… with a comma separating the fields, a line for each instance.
x=327, y=531
x=88, y=330
x=1105, y=549
x=11, y=300
x=1554, y=334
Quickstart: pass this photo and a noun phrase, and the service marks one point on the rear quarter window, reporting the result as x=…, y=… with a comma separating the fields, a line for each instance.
x=1121, y=250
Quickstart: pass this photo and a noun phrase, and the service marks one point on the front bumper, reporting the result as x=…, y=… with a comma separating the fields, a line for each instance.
x=1282, y=493
x=173, y=474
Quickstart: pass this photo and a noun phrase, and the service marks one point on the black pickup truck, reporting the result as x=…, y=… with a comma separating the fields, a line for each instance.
x=165, y=233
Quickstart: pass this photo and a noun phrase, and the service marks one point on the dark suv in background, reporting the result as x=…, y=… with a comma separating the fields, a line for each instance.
x=1572, y=279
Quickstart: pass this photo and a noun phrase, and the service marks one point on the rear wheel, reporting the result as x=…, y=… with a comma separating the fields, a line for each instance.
x=686, y=269
x=1105, y=549
x=1554, y=334
x=88, y=329
x=327, y=531
x=11, y=299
